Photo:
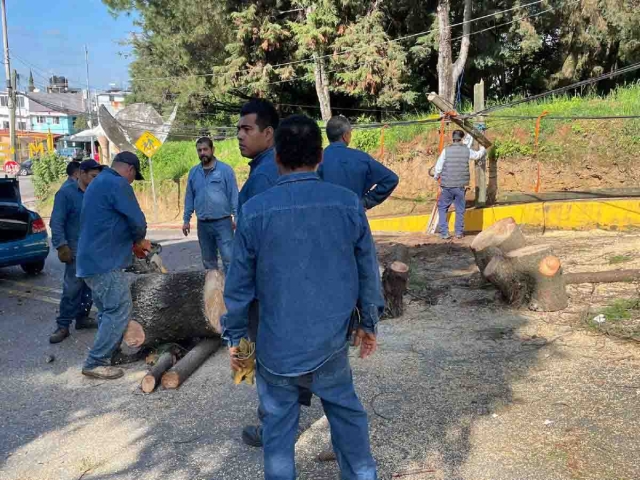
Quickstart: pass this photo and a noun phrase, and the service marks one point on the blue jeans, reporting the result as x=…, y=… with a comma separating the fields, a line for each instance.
x=333, y=383
x=75, y=303
x=215, y=235
x=112, y=296
x=450, y=196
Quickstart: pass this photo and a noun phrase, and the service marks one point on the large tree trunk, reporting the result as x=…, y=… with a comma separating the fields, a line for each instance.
x=322, y=86
x=176, y=306
x=500, y=238
x=448, y=71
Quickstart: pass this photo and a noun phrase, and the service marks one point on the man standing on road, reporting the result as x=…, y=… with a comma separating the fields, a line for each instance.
x=75, y=303
x=212, y=192
x=304, y=248
x=452, y=169
x=73, y=171
x=354, y=169
x=111, y=224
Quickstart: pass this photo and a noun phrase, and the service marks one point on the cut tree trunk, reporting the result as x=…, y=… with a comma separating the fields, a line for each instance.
x=152, y=379
x=611, y=276
x=529, y=275
x=395, y=279
x=176, y=306
x=500, y=238
x=190, y=362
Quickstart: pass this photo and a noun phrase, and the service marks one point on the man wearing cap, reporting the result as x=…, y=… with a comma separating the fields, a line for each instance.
x=354, y=169
x=111, y=224
x=75, y=303
x=452, y=169
x=212, y=192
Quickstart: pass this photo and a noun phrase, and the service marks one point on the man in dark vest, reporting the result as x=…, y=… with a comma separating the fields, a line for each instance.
x=452, y=168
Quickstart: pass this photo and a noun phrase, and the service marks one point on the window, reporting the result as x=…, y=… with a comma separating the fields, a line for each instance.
x=4, y=101
x=22, y=125
x=55, y=120
x=5, y=124
x=40, y=119
x=20, y=102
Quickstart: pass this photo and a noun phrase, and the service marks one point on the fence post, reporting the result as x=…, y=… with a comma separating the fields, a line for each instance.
x=481, y=165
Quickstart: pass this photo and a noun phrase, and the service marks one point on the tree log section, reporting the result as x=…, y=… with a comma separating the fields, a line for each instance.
x=549, y=292
x=395, y=279
x=190, y=362
x=176, y=306
x=611, y=276
x=152, y=379
x=463, y=124
x=502, y=237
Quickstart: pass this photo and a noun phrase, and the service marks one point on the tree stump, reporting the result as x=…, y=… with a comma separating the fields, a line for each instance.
x=190, y=362
x=394, y=284
x=549, y=293
x=500, y=238
x=176, y=306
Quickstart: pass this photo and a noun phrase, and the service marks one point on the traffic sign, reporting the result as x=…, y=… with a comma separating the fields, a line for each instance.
x=11, y=167
x=148, y=144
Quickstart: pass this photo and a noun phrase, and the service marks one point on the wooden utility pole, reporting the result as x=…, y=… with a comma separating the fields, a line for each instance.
x=465, y=125
x=481, y=165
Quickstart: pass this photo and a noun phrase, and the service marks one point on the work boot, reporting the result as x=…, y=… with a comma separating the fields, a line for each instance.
x=252, y=436
x=103, y=373
x=86, y=323
x=59, y=335
x=326, y=456
x=460, y=236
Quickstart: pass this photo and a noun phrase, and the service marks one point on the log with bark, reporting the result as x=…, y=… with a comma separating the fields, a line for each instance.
x=174, y=307
x=502, y=237
x=152, y=379
x=190, y=362
x=395, y=279
x=610, y=276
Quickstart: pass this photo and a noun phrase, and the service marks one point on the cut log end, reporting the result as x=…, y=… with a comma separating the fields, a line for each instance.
x=495, y=234
x=214, y=306
x=148, y=384
x=399, y=267
x=134, y=335
x=171, y=380
x=549, y=266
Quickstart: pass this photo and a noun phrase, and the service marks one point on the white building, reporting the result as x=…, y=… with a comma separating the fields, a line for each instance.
x=23, y=117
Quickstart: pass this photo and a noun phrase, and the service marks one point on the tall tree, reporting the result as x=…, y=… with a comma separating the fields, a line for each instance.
x=449, y=71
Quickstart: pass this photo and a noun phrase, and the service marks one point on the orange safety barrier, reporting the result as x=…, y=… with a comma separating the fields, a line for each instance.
x=382, y=140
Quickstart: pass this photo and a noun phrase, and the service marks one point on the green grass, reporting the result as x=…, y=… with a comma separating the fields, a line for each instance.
x=622, y=319
x=622, y=309
x=616, y=259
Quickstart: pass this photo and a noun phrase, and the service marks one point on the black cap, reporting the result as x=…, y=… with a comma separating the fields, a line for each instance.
x=457, y=135
x=130, y=159
x=91, y=164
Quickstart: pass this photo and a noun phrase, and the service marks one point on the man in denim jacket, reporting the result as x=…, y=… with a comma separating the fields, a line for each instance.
x=305, y=251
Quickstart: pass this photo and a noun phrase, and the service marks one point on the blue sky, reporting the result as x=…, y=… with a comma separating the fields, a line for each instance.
x=49, y=38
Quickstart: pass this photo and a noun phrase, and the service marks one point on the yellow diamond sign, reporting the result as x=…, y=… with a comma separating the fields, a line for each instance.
x=148, y=144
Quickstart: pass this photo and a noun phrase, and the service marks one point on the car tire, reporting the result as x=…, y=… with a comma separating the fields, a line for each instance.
x=23, y=172
x=33, y=268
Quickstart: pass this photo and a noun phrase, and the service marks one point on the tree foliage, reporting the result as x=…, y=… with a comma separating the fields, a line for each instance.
x=208, y=55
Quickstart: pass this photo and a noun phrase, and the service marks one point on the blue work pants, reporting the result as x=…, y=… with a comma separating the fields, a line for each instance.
x=75, y=303
x=215, y=235
x=450, y=196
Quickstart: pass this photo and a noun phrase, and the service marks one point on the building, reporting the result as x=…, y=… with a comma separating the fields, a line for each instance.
x=23, y=119
x=112, y=99
x=55, y=112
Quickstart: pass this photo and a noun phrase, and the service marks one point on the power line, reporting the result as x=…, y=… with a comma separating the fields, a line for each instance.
x=348, y=50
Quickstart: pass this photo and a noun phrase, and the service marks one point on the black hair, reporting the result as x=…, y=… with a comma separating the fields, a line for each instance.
x=72, y=167
x=206, y=140
x=457, y=135
x=266, y=113
x=336, y=127
x=298, y=142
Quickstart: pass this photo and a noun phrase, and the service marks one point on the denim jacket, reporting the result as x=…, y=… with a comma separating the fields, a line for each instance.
x=65, y=217
x=305, y=251
x=212, y=196
x=263, y=174
x=359, y=172
x=110, y=223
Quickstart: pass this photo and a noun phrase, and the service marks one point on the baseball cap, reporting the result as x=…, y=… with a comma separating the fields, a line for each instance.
x=90, y=165
x=130, y=159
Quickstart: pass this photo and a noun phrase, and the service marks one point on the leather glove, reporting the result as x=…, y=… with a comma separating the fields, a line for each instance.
x=247, y=355
x=65, y=255
x=142, y=248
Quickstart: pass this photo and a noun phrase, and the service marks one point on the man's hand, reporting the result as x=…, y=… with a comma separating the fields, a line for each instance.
x=236, y=363
x=141, y=248
x=65, y=255
x=366, y=341
x=186, y=228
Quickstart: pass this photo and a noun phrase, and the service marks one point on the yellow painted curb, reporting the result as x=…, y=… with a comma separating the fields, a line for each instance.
x=606, y=214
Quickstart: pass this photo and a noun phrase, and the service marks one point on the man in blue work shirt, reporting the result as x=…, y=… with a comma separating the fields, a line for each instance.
x=73, y=171
x=110, y=224
x=354, y=169
x=304, y=249
x=452, y=169
x=75, y=303
x=212, y=192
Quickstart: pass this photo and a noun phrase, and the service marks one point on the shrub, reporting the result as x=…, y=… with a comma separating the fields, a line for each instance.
x=49, y=169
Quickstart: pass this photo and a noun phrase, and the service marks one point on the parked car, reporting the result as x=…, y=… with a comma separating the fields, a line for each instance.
x=71, y=153
x=26, y=168
x=23, y=234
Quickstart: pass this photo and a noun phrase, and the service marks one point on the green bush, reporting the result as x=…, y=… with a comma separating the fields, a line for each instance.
x=510, y=148
x=366, y=139
x=49, y=169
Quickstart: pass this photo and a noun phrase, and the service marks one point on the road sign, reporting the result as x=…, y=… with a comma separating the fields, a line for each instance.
x=11, y=167
x=148, y=144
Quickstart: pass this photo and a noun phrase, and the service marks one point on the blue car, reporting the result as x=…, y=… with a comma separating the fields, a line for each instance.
x=23, y=234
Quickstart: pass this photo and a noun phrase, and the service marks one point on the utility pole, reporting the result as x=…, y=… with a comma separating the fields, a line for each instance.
x=89, y=113
x=10, y=92
x=481, y=165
